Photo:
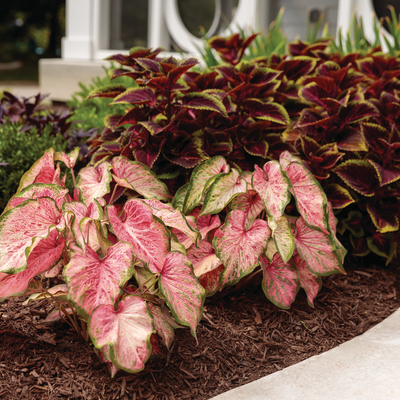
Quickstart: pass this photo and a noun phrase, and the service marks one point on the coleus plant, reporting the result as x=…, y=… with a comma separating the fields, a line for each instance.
x=137, y=263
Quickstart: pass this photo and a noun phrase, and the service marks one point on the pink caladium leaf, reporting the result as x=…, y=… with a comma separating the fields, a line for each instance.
x=164, y=323
x=310, y=198
x=94, y=182
x=205, y=223
x=137, y=225
x=317, y=250
x=224, y=188
x=201, y=174
x=60, y=292
x=57, y=315
x=203, y=258
x=137, y=176
x=339, y=249
x=68, y=159
x=42, y=171
x=54, y=271
x=272, y=185
x=210, y=281
x=175, y=219
x=280, y=281
x=284, y=239
x=36, y=190
x=93, y=281
x=310, y=282
x=126, y=331
x=21, y=229
x=182, y=291
x=104, y=356
x=43, y=257
x=250, y=203
x=239, y=248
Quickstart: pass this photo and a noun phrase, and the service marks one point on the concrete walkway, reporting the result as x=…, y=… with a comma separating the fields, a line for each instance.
x=365, y=368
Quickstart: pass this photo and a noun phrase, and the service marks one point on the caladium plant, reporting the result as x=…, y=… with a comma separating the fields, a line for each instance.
x=137, y=264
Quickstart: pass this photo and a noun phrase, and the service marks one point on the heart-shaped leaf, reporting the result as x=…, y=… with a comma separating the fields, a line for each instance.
x=126, y=331
x=284, y=239
x=204, y=101
x=183, y=293
x=250, y=203
x=68, y=159
x=203, y=258
x=239, y=248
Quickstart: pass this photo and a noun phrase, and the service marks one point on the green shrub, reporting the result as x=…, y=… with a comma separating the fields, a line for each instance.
x=19, y=150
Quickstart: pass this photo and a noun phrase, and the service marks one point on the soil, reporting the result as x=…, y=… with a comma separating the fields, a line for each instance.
x=242, y=337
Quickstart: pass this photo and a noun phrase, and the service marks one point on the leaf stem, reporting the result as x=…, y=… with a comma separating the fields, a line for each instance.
x=145, y=283
x=113, y=193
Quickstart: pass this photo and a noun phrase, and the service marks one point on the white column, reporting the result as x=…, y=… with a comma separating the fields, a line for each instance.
x=157, y=33
x=345, y=11
x=78, y=42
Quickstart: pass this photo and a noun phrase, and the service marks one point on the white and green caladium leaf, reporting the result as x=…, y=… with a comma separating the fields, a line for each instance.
x=201, y=174
x=284, y=239
x=272, y=185
x=280, y=281
x=203, y=258
x=317, y=250
x=271, y=249
x=21, y=229
x=126, y=331
x=68, y=159
x=310, y=282
x=164, y=323
x=60, y=292
x=94, y=182
x=44, y=256
x=310, y=199
x=183, y=293
x=93, y=281
x=210, y=281
x=286, y=158
x=146, y=278
x=137, y=225
x=239, y=248
x=339, y=249
x=179, y=198
x=104, y=357
x=36, y=190
x=42, y=171
x=137, y=176
x=80, y=220
x=250, y=203
x=224, y=188
x=175, y=219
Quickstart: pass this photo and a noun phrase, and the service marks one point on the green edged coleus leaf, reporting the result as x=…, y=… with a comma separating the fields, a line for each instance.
x=93, y=281
x=203, y=258
x=316, y=249
x=125, y=330
x=239, y=248
x=310, y=282
x=137, y=176
x=359, y=175
x=384, y=218
x=272, y=185
x=164, y=323
x=352, y=139
x=224, y=188
x=43, y=257
x=137, y=225
x=386, y=175
x=338, y=196
x=204, y=101
x=109, y=91
x=273, y=112
x=181, y=290
x=94, y=182
x=284, y=239
x=179, y=198
x=383, y=245
x=354, y=223
x=360, y=246
x=250, y=203
x=21, y=229
x=201, y=174
x=280, y=281
x=68, y=159
x=310, y=198
x=136, y=95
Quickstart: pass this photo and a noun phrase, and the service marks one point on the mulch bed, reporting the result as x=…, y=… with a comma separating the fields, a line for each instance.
x=242, y=337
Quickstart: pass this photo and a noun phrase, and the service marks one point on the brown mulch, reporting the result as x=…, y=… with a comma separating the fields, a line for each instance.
x=242, y=337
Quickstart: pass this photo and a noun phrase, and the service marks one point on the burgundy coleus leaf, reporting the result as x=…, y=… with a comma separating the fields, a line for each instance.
x=183, y=293
x=200, y=176
x=21, y=229
x=386, y=175
x=317, y=250
x=136, y=95
x=152, y=127
x=93, y=281
x=148, y=236
x=223, y=189
x=204, y=101
x=310, y=282
x=360, y=246
x=137, y=176
x=384, y=216
x=68, y=159
x=44, y=256
x=109, y=91
x=310, y=198
x=338, y=196
x=273, y=112
x=203, y=258
x=297, y=67
x=239, y=248
x=94, y=182
x=280, y=281
x=284, y=239
x=352, y=139
x=125, y=330
x=359, y=175
x=164, y=323
x=356, y=111
x=383, y=245
x=250, y=203
x=354, y=223
x=272, y=185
